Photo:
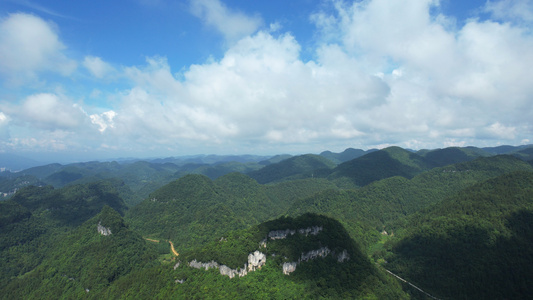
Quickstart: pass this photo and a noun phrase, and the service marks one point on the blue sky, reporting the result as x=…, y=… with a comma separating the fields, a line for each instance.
x=95, y=79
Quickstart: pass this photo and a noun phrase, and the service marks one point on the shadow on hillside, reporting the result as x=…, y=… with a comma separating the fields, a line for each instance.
x=471, y=262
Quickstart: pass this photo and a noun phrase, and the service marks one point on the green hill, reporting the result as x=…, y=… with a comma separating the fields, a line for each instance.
x=474, y=245
x=34, y=219
x=194, y=209
x=389, y=162
x=297, y=167
x=453, y=155
x=345, y=155
x=325, y=262
x=85, y=261
x=367, y=210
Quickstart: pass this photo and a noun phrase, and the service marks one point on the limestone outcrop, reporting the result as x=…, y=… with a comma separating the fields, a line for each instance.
x=103, y=230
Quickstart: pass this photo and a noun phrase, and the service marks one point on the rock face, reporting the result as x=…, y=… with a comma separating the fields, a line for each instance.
x=200, y=265
x=343, y=256
x=289, y=267
x=102, y=230
x=256, y=260
x=313, y=254
x=282, y=234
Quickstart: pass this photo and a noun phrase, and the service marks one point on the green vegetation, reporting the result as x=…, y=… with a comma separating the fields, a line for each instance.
x=456, y=222
x=298, y=167
x=474, y=245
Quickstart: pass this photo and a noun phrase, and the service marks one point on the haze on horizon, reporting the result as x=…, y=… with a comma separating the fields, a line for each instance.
x=169, y=78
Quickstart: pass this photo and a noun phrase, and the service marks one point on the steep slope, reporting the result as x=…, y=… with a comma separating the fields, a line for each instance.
x=194, y=209
x=389, y=162
x=308, y=257
x=477, y=244
x=297, y=167
x=33, y=221
x=85, y=261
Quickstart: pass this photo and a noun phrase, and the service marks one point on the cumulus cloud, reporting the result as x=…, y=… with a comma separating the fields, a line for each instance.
x=97, y=67
x=383, y=72
x=230, y=23
x=28, y=45
x=47, y=111
x=104, y=120
x=259, y=91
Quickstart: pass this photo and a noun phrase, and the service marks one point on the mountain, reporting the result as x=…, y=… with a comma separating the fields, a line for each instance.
x=13, y=162
x=369, y=209
x=308, y=257
x=85, y=261
x=505, y=149
x=346, y=155
x=297, y=167
x=477, y=244
x=388, y=162
x=35, y=219
x=452, y=155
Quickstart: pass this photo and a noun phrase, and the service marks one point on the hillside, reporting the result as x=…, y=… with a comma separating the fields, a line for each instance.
x=389, y=162
x=452, y=155
x=345, y=155
x=297, y=167
x=85, y=261
x=367, y=210
x=34, y=220
x=307, y=257
x=474, y=245
x=194, y=209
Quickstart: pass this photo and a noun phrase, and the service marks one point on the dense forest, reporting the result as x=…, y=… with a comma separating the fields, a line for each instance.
x=457, y=223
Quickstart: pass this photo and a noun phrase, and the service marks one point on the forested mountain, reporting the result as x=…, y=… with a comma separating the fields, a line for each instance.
x=298, y=167
x=456, y=222
x=85, y=261
x=388, y=162
x=453, y=155
x=477, y=244
x=345, y=155
x=195, y=206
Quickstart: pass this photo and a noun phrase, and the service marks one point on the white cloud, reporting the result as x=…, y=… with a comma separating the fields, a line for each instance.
x=97, y=67
x=383, y=72
x=4, y=122
x=232, y=24
x=511, y=10
x=29, y=45
x=48, y=111
x=104, y=120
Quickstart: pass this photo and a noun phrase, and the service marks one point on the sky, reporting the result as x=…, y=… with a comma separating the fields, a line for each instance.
x=84, y=80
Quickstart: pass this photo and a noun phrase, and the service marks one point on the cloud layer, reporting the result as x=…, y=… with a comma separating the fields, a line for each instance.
x=383, y=72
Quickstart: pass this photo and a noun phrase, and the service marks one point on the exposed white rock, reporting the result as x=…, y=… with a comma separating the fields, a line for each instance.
x=200, y=265
x=314, y=230
x=313, y=254
x=280, y=234
x=102, y=230
x=256, y=260
x=225, y=270
x=177, y=265
x=289, y=267
x=343, y=256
